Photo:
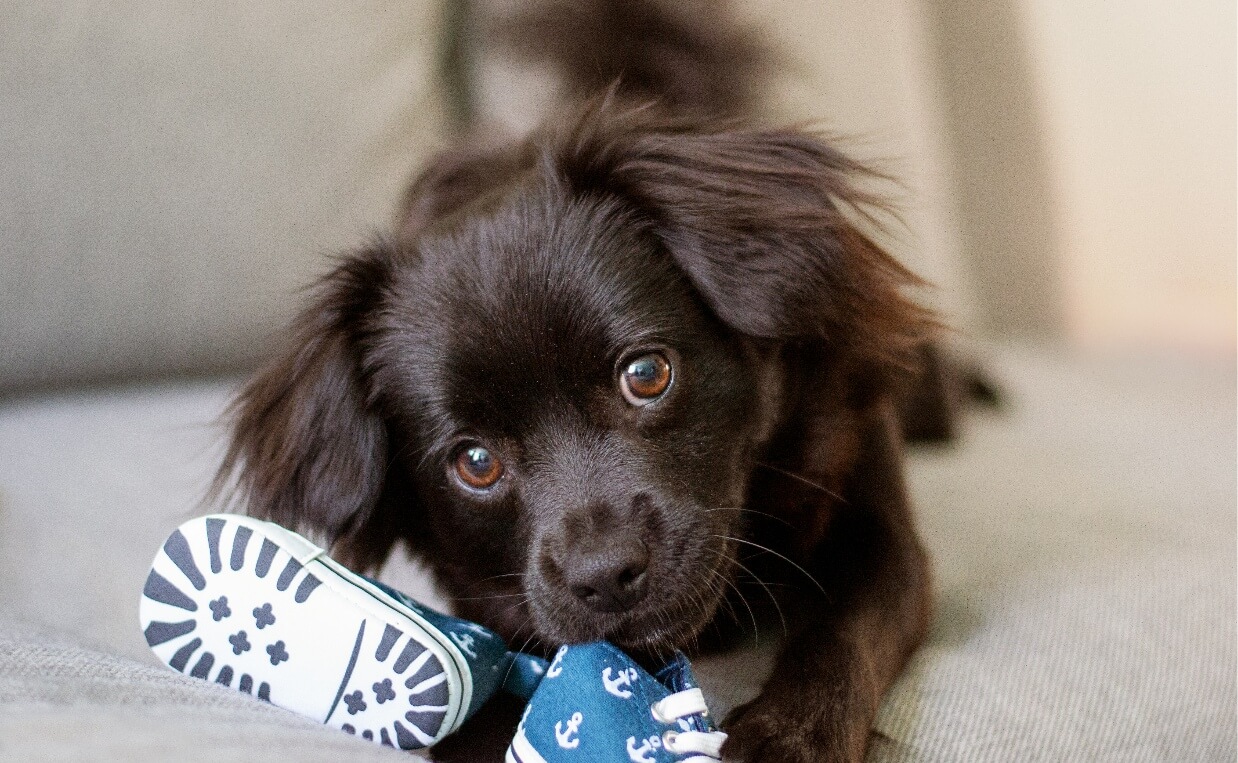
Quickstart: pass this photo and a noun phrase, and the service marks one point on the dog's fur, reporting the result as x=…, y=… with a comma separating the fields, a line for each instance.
x=519, y=282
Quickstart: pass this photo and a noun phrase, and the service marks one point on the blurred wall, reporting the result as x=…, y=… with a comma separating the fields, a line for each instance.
x=1071, y=163
x=1008, y=233
x=1138, y=102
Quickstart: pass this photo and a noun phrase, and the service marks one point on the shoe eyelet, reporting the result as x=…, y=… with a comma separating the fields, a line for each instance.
x=657, y=716
x=668, y=741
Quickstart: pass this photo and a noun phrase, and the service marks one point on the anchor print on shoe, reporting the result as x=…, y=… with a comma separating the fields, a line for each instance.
x=248, y=604
x=596, y=704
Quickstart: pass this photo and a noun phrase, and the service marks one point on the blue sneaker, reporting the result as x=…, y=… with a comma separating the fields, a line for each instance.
x=596, y=705
x=248, y=604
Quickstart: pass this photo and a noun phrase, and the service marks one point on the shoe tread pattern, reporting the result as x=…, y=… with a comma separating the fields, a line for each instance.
x=212, y=609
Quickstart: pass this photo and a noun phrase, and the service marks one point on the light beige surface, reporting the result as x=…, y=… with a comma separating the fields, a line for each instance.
x=1085, y=555
x=1084, y=544
x=1137, y=103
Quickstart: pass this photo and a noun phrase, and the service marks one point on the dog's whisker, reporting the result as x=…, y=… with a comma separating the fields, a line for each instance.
x=533, y=635
x=726, y=559
x=515, y=606
x=719, y=591
x=503, y=575
x=756, y=631
x=751, y=511
x=525, y=645
x=715, y=594
x=788, y=560
x=488, y=598
x=801, y=478
x=769, y=593
x=749, y=578
x=476, y=583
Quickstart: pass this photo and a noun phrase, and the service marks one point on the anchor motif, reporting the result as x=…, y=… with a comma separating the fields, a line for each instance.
x=524, y=717
x=569, y=738
x=465, y=642
x=479, y=630
x=615, y=685
x=647, y=746
x=556, y=665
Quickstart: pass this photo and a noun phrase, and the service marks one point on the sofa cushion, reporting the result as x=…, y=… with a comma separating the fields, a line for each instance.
x=174, y=172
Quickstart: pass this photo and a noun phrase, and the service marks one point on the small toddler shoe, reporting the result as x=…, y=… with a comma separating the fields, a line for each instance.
x=248, y=604
x=596, y=705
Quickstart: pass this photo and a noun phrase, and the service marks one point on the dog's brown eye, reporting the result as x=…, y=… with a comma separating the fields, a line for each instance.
x=645, y=378
x=478, y=468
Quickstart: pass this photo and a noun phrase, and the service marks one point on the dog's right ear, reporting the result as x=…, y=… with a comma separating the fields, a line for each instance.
x=764, y=225
x=308, y=443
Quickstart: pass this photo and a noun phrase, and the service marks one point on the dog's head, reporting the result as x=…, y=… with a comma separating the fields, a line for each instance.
x=555, y=385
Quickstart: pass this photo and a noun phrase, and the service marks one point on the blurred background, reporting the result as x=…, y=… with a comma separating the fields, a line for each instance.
x=174, y=172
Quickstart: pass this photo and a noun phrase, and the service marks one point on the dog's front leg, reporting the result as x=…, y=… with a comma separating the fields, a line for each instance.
x=845, y=644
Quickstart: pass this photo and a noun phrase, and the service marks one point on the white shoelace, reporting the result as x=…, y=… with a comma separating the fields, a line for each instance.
x=704, y=746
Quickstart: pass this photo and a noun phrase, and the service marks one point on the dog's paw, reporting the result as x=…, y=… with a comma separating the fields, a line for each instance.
x=770, y=732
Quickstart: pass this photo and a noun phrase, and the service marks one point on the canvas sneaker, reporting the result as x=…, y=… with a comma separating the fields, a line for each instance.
x=596, y=705
x=250, y=605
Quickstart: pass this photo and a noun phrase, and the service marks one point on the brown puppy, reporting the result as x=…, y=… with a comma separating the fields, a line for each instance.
x=599, y=380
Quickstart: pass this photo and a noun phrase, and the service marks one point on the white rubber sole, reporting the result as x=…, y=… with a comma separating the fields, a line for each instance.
x=248, y=604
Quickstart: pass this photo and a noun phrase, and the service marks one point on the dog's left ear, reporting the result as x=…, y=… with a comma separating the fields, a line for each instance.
x=755, y=219
x=309, y=446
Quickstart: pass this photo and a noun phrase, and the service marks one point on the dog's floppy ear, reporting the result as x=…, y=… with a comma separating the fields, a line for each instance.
x=308, y=444
x=755, y=219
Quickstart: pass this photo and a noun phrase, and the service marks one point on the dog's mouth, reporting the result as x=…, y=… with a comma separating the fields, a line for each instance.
x=670, y=631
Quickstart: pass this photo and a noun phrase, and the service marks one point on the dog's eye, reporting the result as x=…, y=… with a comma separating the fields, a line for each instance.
x=645, y=378
x=478, y=468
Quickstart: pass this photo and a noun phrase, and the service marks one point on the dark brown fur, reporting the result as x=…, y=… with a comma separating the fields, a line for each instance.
x=520, y=276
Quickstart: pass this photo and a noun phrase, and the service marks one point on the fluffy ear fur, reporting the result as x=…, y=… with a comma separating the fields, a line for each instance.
x=308, y=446
x=754, y=218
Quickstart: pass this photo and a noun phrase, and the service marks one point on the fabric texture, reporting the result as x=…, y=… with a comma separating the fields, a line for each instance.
x=65, y=700
x=1083, y=543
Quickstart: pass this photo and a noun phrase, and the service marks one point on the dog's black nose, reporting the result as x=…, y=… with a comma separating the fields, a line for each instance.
x=610, y=578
